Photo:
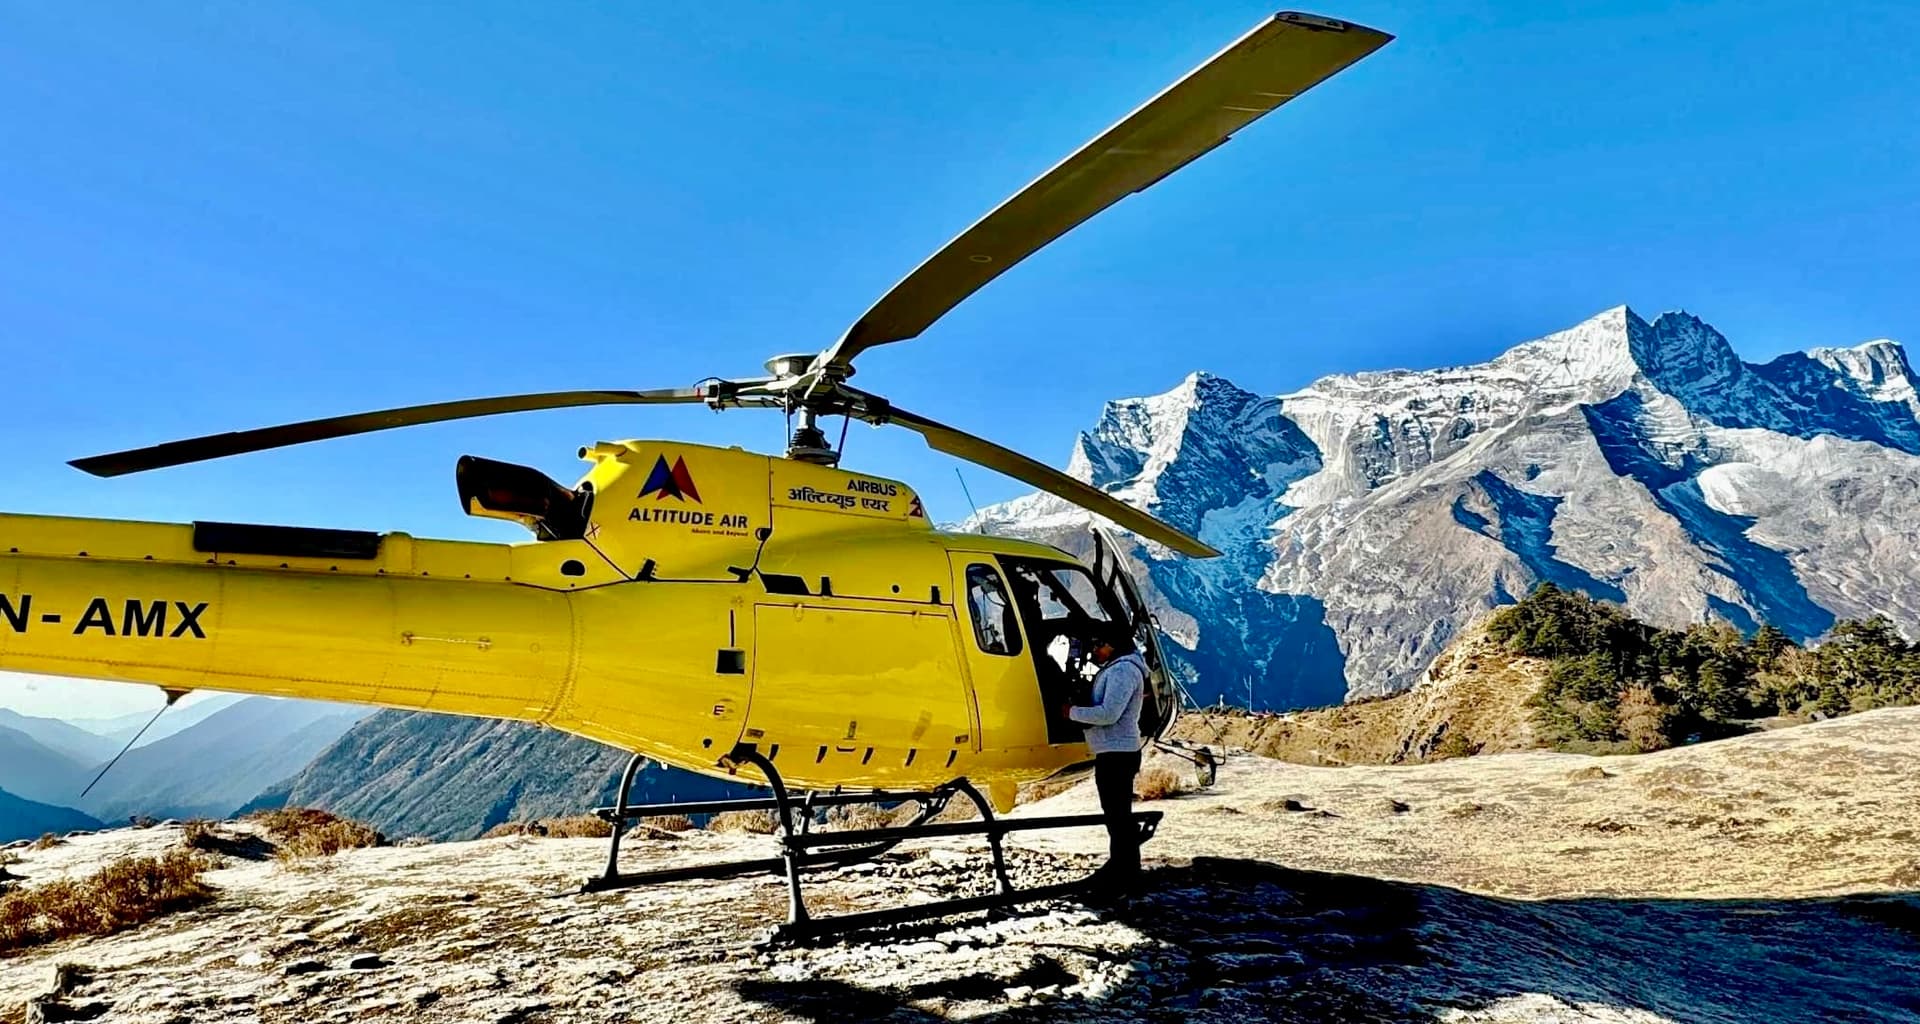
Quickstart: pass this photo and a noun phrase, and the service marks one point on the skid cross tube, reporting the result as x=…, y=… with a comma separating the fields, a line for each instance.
x=623, y=814
x=988, y=828
x=801, y=927
x=802, y=849
x=634, y=812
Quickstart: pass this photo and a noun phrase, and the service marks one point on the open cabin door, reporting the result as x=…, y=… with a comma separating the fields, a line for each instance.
x=1162, y=700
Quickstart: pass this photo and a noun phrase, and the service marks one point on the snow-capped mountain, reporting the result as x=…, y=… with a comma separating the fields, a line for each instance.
x=1367, y=518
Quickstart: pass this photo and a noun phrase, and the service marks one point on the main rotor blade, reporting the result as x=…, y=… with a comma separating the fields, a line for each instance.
x=1281, y=58
x=983, y=452
x=214, y=446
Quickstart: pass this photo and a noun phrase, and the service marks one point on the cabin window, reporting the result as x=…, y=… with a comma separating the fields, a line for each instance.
x=994, y=627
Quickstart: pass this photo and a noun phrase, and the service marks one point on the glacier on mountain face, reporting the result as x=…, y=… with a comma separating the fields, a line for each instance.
x=1367, y=518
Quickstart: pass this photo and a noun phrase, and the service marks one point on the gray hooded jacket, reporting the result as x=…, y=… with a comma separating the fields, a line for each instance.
x=1113, y=719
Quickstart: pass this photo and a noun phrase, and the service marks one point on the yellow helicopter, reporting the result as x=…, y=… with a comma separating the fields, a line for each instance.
x=773, y=618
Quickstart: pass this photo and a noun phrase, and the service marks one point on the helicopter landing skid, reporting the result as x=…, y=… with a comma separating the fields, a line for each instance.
x=803, y=849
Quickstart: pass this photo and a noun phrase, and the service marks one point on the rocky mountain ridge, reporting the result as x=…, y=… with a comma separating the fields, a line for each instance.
x=21, y=818
x=206, y=769
x=210, y=768
x=448, y=777
x=1368, y=517
x=1473, y=700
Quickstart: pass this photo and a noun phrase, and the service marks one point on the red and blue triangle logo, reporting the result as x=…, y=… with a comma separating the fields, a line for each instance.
x=670, y=482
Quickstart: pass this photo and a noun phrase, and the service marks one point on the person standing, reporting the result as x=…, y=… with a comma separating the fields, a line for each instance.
x=1113, y=735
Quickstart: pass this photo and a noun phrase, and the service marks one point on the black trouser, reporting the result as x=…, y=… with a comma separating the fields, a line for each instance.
x=1113, y=777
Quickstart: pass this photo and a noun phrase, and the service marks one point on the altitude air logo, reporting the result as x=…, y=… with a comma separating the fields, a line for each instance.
x=675, y=482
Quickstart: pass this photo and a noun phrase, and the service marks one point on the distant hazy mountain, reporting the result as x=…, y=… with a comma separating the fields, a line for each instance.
x=69, y=739
x=1366, y=518
x=446, y=777
x=120, y=728
x=23, y=819
x=31, y=769
x=213, y=766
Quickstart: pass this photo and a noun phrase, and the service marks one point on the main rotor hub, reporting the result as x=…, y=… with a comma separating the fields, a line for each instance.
x=790, y=365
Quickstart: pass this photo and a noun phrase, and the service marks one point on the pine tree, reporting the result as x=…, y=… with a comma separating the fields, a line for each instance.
x=1768, y=644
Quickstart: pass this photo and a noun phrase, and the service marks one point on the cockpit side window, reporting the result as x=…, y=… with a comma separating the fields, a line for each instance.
x=994, y=626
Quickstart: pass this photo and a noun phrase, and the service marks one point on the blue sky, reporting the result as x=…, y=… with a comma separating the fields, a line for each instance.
x=222, y=215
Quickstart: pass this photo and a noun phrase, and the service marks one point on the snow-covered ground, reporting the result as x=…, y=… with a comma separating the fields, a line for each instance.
x=1761, y=879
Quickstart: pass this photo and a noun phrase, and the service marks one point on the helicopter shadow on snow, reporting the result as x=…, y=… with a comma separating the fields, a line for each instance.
x=1249, y=940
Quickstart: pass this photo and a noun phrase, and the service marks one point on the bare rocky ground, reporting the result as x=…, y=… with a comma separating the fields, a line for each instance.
x=1767, y=878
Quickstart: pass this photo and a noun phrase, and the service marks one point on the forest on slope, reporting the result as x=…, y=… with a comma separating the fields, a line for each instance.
x=1562, y=670
x=1620, y=685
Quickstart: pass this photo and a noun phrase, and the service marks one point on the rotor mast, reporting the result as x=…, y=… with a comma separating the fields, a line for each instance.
x=807, y=442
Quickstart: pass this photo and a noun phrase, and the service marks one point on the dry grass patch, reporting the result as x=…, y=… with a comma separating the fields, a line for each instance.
x=422, y=921
x=1036, y=791
x=671, y=823
x=763, y=823
x=201, y=834
x=308, y=832
x=47, y=841
x=851, y=817
x=859, y=816
x=578, y=826
x=958, y=809
x=1285, y=805
x=1158, y=782
x=124, y=893
x=1453, y=745
x=217, y=843
x=1473, y=809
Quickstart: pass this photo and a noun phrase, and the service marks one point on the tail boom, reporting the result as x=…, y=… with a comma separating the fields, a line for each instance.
x=394, y=622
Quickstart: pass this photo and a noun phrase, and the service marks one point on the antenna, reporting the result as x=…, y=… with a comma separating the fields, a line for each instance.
x=172, y=696
x=1187, y=701
x=963, y=490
